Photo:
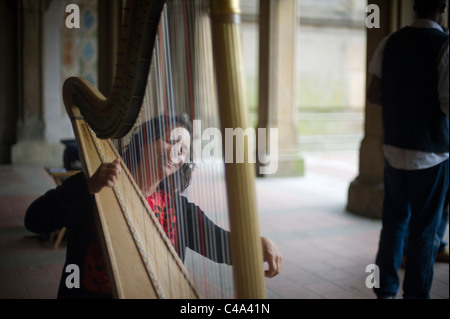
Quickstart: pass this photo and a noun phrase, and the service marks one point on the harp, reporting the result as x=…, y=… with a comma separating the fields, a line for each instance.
x=142, y=261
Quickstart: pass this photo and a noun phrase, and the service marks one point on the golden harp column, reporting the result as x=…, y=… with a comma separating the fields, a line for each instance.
x=246, y=250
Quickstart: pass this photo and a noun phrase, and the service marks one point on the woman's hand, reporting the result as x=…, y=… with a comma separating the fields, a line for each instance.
x=105, y=175
x=272, y=256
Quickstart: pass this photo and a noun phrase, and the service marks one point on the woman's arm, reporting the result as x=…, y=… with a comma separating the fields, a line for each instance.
x=212, y=241
x=55, y=208
x=201, y=234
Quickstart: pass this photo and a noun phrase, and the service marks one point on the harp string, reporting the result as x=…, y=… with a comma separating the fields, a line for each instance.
x=181, y=81
x=207, y=190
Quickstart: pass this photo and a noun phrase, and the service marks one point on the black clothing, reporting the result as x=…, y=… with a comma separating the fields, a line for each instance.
x=70, y=205
x=412, y=115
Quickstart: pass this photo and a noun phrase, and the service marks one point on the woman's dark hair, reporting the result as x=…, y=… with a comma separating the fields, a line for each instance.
x=426, y=7
x=153, y=130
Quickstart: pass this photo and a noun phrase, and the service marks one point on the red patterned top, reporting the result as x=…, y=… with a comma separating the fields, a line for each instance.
x=161, y=204
x=95, y=278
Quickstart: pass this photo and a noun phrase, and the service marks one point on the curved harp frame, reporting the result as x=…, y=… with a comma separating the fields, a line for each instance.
x=134, y=269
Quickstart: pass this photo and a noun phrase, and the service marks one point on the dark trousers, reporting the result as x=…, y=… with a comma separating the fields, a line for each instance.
x=441, y=230
x=413, y=203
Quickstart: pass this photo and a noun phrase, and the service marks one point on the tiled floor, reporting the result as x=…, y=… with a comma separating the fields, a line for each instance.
x=326, y=249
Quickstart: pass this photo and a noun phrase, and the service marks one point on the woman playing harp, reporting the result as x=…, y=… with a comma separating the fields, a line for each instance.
x=161, y=171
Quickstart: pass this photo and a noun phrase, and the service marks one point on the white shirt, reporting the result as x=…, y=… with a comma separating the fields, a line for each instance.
x=406, y=159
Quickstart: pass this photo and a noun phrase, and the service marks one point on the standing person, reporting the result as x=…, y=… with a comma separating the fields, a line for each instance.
x=161, y=172
x=410, y=82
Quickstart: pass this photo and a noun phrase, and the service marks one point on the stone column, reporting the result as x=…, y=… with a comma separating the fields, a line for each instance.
x=30, y=146
x=366, y=192
x=45, y=60
x=8, y=79
x=276, y=82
